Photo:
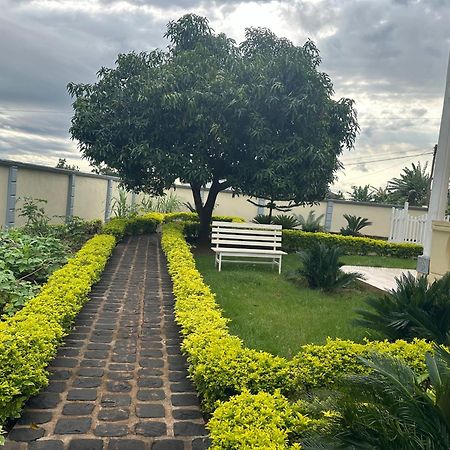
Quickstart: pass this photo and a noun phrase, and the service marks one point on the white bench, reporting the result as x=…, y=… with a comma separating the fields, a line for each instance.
x=246, y=240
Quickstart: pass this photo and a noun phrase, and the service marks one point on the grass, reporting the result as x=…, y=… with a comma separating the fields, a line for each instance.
x=271, y=313
x=377, y=261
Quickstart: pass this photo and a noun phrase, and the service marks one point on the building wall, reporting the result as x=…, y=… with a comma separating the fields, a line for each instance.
x=90, y=197
x=38, y=184
x=440, y=250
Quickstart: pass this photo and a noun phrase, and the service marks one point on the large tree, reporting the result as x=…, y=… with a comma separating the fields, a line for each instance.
x=258, y=118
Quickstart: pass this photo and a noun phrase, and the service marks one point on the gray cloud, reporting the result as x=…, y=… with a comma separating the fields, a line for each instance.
x=389, y=55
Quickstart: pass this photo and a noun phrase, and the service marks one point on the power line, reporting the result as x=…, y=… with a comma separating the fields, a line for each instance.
x=352, y=179
x=385, y=153
x=388, y=159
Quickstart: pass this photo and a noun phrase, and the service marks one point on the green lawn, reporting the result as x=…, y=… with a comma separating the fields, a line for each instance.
x=271, y=313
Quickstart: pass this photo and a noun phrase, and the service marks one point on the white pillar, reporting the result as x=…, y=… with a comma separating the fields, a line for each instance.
x=441, y=173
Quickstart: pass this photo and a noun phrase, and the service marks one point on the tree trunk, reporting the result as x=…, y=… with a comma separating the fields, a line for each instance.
x=205, y=211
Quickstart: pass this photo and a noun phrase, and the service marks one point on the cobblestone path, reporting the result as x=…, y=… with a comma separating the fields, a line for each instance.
x=119, y=382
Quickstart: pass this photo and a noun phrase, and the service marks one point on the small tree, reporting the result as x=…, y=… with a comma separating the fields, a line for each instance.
x=258, y=118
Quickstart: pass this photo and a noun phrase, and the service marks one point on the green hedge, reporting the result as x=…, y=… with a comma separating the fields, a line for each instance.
x=119, y=227
x=29, y=339
x=222, y=367
x=295, y=240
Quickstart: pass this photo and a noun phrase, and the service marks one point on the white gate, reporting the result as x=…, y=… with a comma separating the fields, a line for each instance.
x=406, y=228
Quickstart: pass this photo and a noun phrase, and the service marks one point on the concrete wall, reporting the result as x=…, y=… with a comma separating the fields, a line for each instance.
x=50, y=186
x=91, y=196
x=440, y=250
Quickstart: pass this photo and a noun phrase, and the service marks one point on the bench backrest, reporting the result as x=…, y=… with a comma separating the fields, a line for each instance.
x=246, y=235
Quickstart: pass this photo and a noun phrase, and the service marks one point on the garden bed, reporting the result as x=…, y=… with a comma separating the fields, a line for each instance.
x=235, y=382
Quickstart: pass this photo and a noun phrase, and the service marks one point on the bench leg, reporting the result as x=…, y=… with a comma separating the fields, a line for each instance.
x=279, y=265
x=220, y=262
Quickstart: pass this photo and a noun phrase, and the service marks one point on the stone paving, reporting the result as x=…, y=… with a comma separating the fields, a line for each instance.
x=120, y=381
x=382, y=278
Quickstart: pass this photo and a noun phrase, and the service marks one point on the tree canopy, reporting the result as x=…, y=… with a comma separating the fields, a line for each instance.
x=258, y=117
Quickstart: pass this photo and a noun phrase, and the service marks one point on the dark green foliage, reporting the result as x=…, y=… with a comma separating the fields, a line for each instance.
x=312, y=223
x=257, y=117
x=393, y=408
x=414, y=309
x=361, y=193
x=263, y=219
x=295, y=240
x=25, y=263
x=286, y=221
x=412, y=185
x=354, y=225
x=321, y=268
x=34, y=212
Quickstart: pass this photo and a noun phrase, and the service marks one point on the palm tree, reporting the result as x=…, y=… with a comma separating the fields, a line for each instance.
x=411, y=186
x=354, y=225
x=414, y=309
x=311, y=223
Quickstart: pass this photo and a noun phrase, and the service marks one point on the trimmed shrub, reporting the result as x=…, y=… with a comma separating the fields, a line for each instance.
x=318, y=366
x=29, y=339
x=119, y=227
x=264, y=421
x=294, y=240
x=115, y=227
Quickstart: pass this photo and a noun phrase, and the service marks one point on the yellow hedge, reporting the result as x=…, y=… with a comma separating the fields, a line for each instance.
x=29, y=339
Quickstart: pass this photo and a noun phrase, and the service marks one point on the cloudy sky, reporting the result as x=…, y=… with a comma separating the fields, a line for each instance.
x=390, y=56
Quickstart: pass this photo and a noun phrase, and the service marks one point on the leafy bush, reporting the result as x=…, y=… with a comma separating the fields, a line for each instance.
x=259, y=421
x=391, y=407
x=29, y=339
x=120, y=207
x=164, y=204
x=31, y=258
x=286, y=221
x=25, y=263
x=414, y=309
x=119, y=227
x=36, y=219
x=295, y=240
x=14, y=293
x=263, y=219
x=354, y=225
x=323, y=366
x=312, y=223
x=321, y=268
x=75, y=231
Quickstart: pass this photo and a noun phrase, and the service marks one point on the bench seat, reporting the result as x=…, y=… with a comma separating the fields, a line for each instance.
x=246, y=240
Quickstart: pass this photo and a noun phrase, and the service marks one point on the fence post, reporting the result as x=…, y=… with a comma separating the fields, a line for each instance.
x=11, y=197
x=329, y=215
x=261, y=203
x=391, y=232
x=70, y=197
x=108, y=200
